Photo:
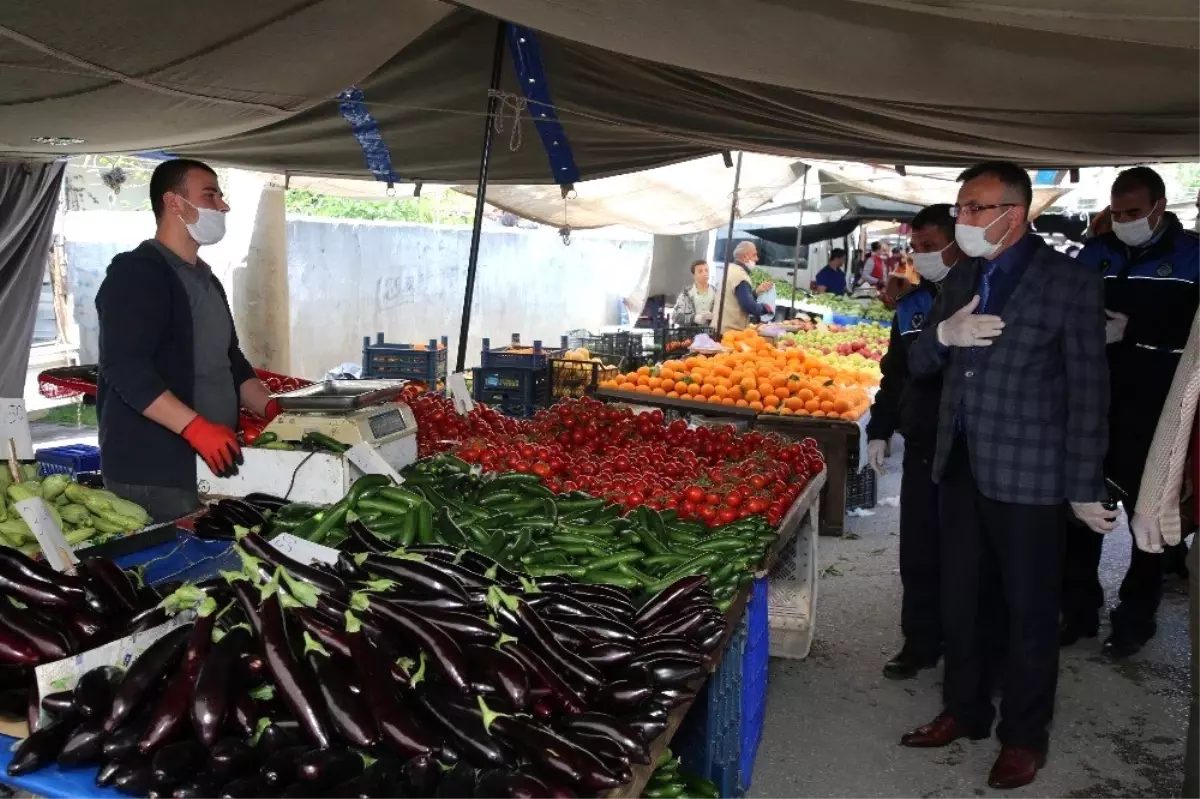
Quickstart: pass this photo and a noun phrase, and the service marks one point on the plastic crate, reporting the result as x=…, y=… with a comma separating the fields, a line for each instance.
x=511, y=387
x=755, y=666
x=70, y=459
x=672, y=342
x=709, y=739
x=570, y=378
x=860, y=488
x=383, y=361
x=504, y=356
x=845, y=319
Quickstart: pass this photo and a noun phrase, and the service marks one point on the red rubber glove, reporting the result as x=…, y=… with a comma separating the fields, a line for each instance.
x=272, y=410
x=216, y=444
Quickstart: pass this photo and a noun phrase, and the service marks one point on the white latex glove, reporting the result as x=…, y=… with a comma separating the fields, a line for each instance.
x=1146, y=533
x=1095, y=515
x=968, y=329
x=704, y=317
x=1114, y=327
x=876, y=454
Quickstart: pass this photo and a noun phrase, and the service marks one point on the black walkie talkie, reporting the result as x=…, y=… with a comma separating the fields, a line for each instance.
x=1116, y=494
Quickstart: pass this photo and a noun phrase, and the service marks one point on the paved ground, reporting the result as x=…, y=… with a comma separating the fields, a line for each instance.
x=833, y=721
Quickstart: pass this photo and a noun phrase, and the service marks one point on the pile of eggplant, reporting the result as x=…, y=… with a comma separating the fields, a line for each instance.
x=221, y=519
x=420, y=672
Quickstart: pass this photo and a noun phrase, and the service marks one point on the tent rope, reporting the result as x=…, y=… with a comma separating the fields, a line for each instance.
x=518, y=105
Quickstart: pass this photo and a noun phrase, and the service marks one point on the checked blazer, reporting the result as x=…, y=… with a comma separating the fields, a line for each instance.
x=1036, y=400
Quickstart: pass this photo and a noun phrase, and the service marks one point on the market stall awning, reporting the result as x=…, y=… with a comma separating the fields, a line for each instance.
x=397, y=90
x=812, y=234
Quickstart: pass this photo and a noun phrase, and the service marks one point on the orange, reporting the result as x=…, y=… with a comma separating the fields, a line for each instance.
x=735, y=392
x=793, y=385
x=693, y=389
x=666, y=374
x=643, y=380
x=765, y=387
x=715, y=399
x=655, y=382
x=643, y=370
x=793, y=403
x=771, y=401
x=708, y=390
x=753, y=395
x=756, y=406
x=658, y=392
x=841, y=406
x=802, y=412
x=818, y=413
x=748, y=383
x=787, y=411
x=742, y=404
x=728, y=401
x=643, y=389
x=827, y=406
x=812, y=406
x=806, y=394
x=721, y=392
x=779, y=381
x=672, y=395
x=782, y=392
x=681, y=387
x=628, y=386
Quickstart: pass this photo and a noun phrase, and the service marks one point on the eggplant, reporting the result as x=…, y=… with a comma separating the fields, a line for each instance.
x=108, y=771
x=282, y=767
x=177, y=762
x=469, y=578
x=398, y=730
x=196, y=789
x=686, y=625
x=324, y=767
x=563, y=695
x=565, y=586
x=442, y=649
x=14, y=676
x=556, y=605
x=420, y=775
x=49, y=642
x=507, y=674
x=567, y=635
x=257, y=546
x=15, y=560
x=150, y=667
x=613, y=728
x=278, y=735
x=121, y=743
x=623, y=696
x=59, y=703
x=466, y=628
x=250, y=666
x=464, y=732
x=229, y=759
x=94, y=692
x=41, y=747
x=15, y=649
x=611, y=753
x=16, y=702
x=241, y=788
x=84, y=747
x=542, y=639
x=134, y=779
x=214, y=683
x=236, y=513
x=363, y=540
x=555, y=755
x=648, y=729
x=151, y=617
x=347, y=569
x=31, y=590
x=679, y=592
x=650, y=641
x=609, y=656
x=245, y=715
x=456, y=783
x=330, y=637
x=673, y=696
x=264, y=501
x=111, y=582
x=349, y=713
x=172, y=712
x=370, y=783
x=670, y=671
x=668, y=650
x=292, y=680
x=424, y=602
x=418, y=575
x=519, y=785
x=210, y=528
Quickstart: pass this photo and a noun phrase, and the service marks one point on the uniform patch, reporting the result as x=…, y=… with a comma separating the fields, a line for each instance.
x=1165, y=269
x=918, y=319
x=1105, y=263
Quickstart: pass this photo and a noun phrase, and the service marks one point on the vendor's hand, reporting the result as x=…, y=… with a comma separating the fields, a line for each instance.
x=704, y=317
x=968, y=329
x=1100, y=224
x=272, y=410
x=1095, y=515
x=1114, y=326
x=216, y=444
x=876, y=454
x=763, y=288
x=1146, y=533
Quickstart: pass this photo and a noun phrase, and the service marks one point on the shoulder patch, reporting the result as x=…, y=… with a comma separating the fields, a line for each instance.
x=918, y=319
x=1165, y=269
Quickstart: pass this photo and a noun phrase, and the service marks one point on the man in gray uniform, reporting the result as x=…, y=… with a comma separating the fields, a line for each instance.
x=172, y=375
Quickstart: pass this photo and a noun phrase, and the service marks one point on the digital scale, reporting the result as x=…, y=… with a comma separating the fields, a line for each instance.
x=362, y=414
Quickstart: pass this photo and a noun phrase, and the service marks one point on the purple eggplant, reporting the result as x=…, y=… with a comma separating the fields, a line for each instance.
x=16, y=649
x=464, y=732
x=648, y=729
x=349, y=713
x=562, y=694
x=150, y=667
x=499, y=669
x=416, y=575
x=229, y=759
x=245, y=714
x=48, y=641
x=151, y=617
x=623, y=696
x=542, y=639
x=59, y=703
x=609, y=751
x=291, y=678
x=15, y=560
x=555, y=755
x=257, y=546
x=108, y=771
x=679, y=592
x=325, y=767
x=426, y=602
x=84, y=746
x=94, y=692
x=195, y=789
x=466, y=628
x=242, y=788
x=282, y=767
x=441, y=648
x=135, y=778
x=568, y=635
x=397, y=728
x=613, y=728
x=609, y=656
x=178, y=762
x=330, y=637
x=211, y=695
x=111, y=583
x=172, y=712
x=122, y=743
x=33, y=591
x=41, y=748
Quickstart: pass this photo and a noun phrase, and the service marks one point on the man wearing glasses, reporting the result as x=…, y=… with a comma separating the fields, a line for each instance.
x=1017, y=334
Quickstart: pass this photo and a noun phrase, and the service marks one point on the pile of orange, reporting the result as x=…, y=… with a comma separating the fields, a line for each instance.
x=753, y=375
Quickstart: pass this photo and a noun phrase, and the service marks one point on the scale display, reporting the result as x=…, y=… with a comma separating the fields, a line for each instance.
x=386, y=424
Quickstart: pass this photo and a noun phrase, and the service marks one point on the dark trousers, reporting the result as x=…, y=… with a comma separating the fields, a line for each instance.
x=1019, y=549
x=162, y=503
x=920, y=554
x=1141, y=590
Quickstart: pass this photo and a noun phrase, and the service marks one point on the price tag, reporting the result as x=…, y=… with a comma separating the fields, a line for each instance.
x=463, y=403
x=369, y=461
x=49, y=535
x=304, y=551
x=14, y=425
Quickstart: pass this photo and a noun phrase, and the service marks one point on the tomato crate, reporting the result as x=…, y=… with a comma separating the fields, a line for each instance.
x=519, y=355
x=426, y=362
x=511, y=388
x=573, y=378
x=671, y=342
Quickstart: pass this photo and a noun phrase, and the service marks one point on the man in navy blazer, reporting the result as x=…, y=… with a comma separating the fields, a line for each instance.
x=1017, y=334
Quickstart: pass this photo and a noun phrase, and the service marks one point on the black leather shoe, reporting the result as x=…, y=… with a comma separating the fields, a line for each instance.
x=907, y=664
x=1070, y=631
x=1123, y=644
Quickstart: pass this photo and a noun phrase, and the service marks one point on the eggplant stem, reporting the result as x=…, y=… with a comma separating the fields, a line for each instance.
x=259, y=728
x=489, y=715
x=360, y=601
x=313, y=645
x=306, y=593
x=419, y=674
x=353, y=625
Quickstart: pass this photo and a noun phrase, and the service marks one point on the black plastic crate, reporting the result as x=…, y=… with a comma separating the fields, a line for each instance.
x=505, y=356
x=860, y=489
x=622, y=350
x=673, y=342
x=383, y=361
x=571, y=378
x=510, y=386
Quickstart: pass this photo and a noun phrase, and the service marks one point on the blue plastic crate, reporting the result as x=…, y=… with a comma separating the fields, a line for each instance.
x=503, y=356
x=69, y=459
x=709, y=739
x=383, y=361
x=844, y=319
x=755, y=666
x=510, y=386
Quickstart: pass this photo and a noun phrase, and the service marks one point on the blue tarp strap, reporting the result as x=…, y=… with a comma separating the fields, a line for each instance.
x=353, y=105
x=531, y=74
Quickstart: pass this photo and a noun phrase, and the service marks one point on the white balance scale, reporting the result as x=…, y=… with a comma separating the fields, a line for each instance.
x=381, y=434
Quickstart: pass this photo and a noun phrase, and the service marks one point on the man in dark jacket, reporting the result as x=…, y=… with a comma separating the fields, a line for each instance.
x=911, y=406
x=1017, y=333
x=172, y=375
x=1151, y=271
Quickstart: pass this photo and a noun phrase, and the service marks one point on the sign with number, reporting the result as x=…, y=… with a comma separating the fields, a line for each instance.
x=14, y=425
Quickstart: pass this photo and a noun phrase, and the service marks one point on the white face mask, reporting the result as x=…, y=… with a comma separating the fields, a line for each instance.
x=1135, y=233
x=209, y=227
x=930, y=266
x=972, y=239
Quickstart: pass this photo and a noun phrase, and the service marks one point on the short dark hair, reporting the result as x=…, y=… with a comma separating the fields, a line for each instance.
x=1140, y=177
x=696, y=263
x=936, y=215
x=837, y=252
x=1008, y=173
x=171, y=176
x=875, y=245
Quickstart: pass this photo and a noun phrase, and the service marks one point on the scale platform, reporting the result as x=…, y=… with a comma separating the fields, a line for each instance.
x=354, y=412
